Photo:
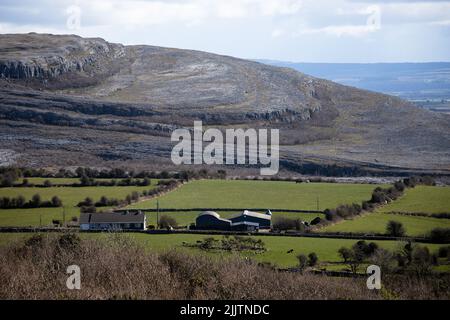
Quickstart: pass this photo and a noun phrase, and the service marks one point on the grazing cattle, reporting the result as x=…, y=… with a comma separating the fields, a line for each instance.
x=290, y=251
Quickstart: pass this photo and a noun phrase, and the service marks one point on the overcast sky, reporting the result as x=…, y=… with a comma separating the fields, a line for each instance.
x=289, y=30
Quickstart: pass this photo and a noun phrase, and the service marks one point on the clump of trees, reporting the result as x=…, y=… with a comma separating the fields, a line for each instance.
x=234, y=243
x=410, y=258
x=307, y=261
x=19, y=202
x=107, y=202
x=415, y=259
x=88, y=176
x=8, y=176
x=284, y=223
x=440, y=235
x=167, y=222
x=395, y=229
x=343, y=212
x=88, y=181
x=356, y=255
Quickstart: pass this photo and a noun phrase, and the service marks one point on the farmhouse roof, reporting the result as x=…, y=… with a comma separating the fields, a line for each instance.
x=112, y=217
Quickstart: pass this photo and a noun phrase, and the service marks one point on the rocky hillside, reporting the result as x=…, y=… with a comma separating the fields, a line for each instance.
x=67, y=100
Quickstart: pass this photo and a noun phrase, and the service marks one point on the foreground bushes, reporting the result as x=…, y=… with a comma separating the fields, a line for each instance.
x=115, y=267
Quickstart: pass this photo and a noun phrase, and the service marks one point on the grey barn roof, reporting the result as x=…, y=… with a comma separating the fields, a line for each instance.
x=253, y=214
x=108, y=217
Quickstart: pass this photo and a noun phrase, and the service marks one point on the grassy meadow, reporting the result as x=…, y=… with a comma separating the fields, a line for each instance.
x=423, y=199
x=277, y=246
x=256, y=194
x=376, y=223
x=70, y=197
x=261, y=194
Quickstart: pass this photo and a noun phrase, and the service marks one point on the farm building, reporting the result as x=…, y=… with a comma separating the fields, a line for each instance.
x=113, y=221
x=210, y=220
x=263, y=220
x=245, y=221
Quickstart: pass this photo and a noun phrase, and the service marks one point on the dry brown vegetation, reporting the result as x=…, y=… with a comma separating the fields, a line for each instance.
x=122, y=269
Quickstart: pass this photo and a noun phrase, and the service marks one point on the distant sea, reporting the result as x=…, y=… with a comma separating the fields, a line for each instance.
x=426, y=84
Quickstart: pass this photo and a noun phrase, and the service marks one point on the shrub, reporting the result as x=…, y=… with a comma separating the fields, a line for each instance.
x=69, y=241
x=56, y=201
x=105, y=202
x=88, y=209
x=8, y=177
x=441, y=235
x=87, y=202
x=400, y=186
x=135, y=196
x=422, y=260
x=36, y=201
x=166, y=221
x=302, y=262
x=345, y=254
x=444, y=252
x=176, y=275
x=365, y=250
x=312, y=259
x=283, y=223
x=47, y=184
x=395, y=229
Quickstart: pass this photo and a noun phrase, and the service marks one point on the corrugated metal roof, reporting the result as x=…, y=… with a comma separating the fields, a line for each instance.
x=112, y=217
x=253, y=214
x=210, y=213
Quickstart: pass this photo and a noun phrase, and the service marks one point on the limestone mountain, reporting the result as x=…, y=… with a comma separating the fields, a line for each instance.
x=67, y=100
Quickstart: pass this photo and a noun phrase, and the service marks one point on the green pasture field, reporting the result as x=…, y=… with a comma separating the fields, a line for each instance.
x=425, y=199
x=376, y=223
x=70, y=197
x=261, y=194
x=277, y=246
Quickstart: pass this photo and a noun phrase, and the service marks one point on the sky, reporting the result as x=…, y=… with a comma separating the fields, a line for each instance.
x=288, y=30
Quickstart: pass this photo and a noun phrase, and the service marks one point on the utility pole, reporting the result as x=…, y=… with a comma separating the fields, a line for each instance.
x=157, y=213
x=64, y=216
x=40, y=220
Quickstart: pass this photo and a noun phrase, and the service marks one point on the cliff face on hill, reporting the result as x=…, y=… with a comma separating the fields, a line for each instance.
x=43, y=57
x=67, y=100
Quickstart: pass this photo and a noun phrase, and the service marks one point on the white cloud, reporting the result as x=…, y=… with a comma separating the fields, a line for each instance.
x=341, y=30
x=251, y=28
